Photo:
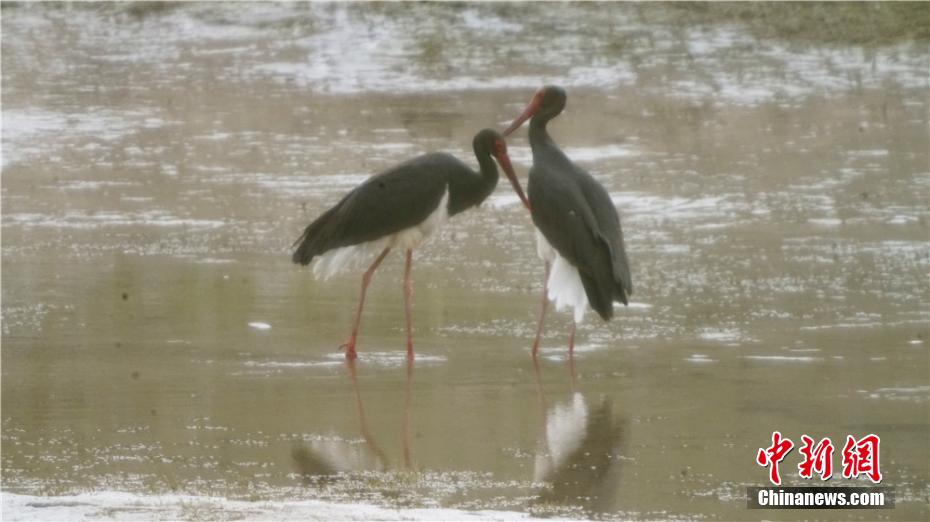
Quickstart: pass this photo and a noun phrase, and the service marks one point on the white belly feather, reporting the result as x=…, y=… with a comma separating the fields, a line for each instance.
x=363, y=254
x=565, y=288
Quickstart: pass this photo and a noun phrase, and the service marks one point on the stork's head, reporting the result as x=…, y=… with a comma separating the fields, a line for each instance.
x=491, y=142
x=547, y=103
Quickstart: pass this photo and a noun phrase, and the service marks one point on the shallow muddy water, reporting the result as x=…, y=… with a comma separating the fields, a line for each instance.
x=156, y=339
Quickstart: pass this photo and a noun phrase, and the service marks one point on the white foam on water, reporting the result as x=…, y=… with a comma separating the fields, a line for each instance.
x=290, y=364
x=214, y=260
x=641, y=205
x=392, y=57
x=598, y=153
x=345, y=78
x=293, y=185
x=676, y=248
x=475, y=20
x=783, y=358
x=121, y=506
x=523, y=155
x=721, y=211
x=27, y=133
x=560, y=353
x=700, y=359
x=93, y=220
x=91, y=185
x=871, y=324
x=901, y=219
x=26, y=317
x=897, y=247
x=501, y=200
x=826, y=222
x=899, y=393
x=871, y=153
x=579, y=348
x=802, y=71
x=726, y=335
x=350, y=49
x=389, y=146
x=390, y=358
x=711, y=226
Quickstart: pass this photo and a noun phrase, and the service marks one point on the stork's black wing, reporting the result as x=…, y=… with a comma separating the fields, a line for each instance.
x=384, y=204
x=608, y=222
x=568, y=208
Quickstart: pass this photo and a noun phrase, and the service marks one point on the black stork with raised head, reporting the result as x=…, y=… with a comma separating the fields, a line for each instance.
x=399, y=208
x=578, y=232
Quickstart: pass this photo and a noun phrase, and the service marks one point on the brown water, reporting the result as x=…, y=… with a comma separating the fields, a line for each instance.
x=157, y=339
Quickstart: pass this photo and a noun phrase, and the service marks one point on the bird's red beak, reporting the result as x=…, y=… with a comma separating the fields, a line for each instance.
x=500, y=153
x=528, y=112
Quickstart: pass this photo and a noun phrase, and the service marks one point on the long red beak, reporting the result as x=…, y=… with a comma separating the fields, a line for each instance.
x=504, y=160
x=528, y=112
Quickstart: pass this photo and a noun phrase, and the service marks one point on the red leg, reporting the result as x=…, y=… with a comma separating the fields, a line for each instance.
x=366, y=278
x=362, y=419
x=571, y=358
x=542, y=309
x=408, y=461
x=408, y=291
x=540, y=396
x=571, y=341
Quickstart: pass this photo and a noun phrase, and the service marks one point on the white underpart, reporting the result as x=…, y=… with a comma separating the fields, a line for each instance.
x=363, y=254
x=564, y=284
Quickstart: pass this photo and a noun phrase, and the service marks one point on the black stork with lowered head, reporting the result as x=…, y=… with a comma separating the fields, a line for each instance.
x=578, y=232
x=399, y=208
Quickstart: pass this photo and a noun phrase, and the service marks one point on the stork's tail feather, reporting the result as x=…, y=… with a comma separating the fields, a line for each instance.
x=313, y=241
x=621, y=294
x=305, y=251
x=599, y=296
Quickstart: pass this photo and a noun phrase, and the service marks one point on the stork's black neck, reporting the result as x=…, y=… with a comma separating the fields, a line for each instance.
x=469, y=190
x=487, y=167
x=540, y=141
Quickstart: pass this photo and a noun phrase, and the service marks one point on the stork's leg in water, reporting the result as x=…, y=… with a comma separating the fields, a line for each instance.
x=542, y=309
x=408, y=291
x=571, y=340
x=366, y=278
x=408, y=461
x=571, y=355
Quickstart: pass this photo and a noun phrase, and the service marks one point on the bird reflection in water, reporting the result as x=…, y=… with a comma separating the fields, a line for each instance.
x=576, y=466
x=578, y=451
x=327, y=459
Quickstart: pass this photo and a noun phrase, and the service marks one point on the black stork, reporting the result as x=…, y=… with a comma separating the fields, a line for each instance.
x=578, y=232
x=399, y=208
